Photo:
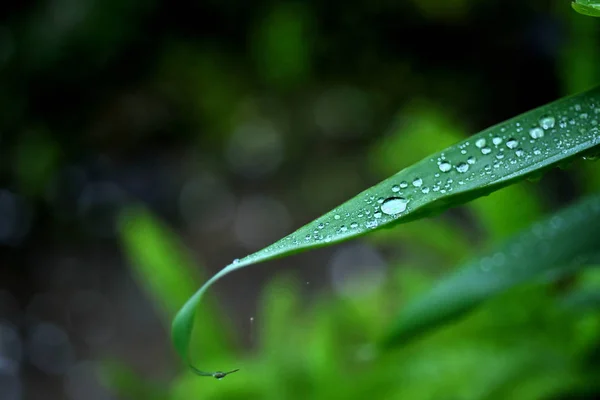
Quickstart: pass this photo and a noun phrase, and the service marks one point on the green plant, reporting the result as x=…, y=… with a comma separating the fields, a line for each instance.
x=522, y=147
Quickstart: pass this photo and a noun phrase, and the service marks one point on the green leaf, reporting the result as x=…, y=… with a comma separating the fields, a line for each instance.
x=488, y=161
x=555, y=247
x=587, y=7
x=161, y=265
x=164, y=268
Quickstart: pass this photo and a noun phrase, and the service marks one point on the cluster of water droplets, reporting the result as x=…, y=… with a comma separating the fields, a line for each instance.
x=496, y=153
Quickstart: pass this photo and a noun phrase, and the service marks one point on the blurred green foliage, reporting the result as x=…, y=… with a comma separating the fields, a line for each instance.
x=535, y=341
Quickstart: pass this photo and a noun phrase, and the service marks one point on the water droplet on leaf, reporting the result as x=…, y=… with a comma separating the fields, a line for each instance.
x=536, y=133
x=462, y=167
x=394, y=205
x=512, y=143
x=445, y=166
x=547, y=122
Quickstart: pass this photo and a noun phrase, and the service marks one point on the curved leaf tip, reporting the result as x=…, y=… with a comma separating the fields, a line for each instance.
x=183, y=326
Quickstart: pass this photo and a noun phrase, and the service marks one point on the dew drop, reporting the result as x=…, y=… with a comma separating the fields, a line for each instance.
x=394, y=205
x=480, y=143
x=377, y=215
x=396, y=188
x=462, y=167
x=512, y=143
x=354, y=225
x=536, y=133
x=445, y=166
x=486, y=150
x=547, y=122
x=425, y=190
x=343, y=228
x=403, y=185
x=471, y=160
x=497, y=140
x=417, y=182
x=336, y=216
x=371, y=224
x=519, y=152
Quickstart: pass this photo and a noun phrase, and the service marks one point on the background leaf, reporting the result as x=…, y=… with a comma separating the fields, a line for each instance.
x=553, y=248
x=166, y=270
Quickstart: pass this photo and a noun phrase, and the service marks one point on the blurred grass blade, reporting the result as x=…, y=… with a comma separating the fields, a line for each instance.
x=555, y=247
x=488, y=161
x=160, y=264
x=587, y=7
x=164, y=268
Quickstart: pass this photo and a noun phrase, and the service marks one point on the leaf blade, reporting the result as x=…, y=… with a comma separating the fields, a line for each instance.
x=561, y=244
x=546, y=136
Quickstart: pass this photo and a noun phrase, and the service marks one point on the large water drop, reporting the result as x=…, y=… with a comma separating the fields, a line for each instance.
x=547, y=122
x=480, y=143
x=512, y=143
x=445, y=166
x=462, y=167
x=536, y=133
x=394, y=205
x=418, y=182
